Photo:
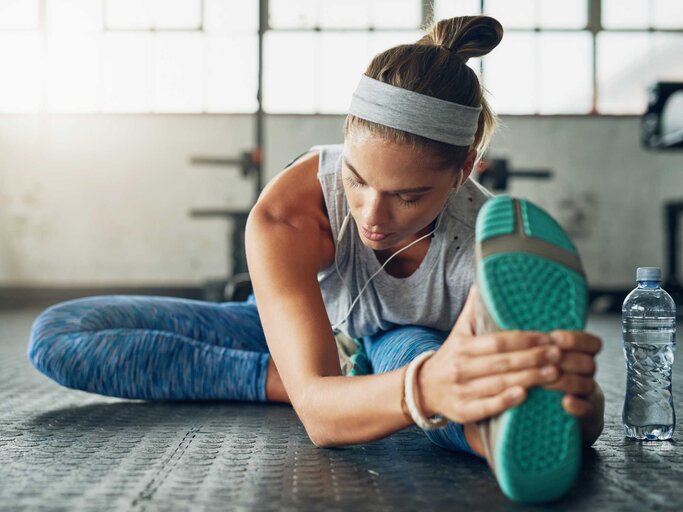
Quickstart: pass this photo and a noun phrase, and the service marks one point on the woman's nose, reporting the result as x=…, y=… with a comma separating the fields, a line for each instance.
x=373, y=211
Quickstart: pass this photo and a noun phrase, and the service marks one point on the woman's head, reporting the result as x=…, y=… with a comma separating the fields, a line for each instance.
x=433, y=66
x=436, y=65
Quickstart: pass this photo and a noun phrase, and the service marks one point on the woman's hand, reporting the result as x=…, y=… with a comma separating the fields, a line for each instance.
x=575, y=368
x=474, y=377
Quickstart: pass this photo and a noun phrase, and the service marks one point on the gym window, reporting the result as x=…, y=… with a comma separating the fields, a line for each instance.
x=572, y=57
x=128, y=56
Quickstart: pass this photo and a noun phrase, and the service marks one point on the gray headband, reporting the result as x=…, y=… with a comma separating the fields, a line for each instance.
x=413, y=112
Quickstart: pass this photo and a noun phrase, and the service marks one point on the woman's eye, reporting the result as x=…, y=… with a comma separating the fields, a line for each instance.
x=412, y=201
x=353, y=182
x=408, y=202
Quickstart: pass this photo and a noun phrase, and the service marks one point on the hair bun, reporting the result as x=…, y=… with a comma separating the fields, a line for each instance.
x=467, y=36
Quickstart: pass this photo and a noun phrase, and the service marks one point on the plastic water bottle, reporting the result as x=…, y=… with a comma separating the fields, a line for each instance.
x=649, y=341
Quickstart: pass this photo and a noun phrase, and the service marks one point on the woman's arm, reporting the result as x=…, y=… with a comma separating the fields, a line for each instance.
x=335, y=410
x=288, y=242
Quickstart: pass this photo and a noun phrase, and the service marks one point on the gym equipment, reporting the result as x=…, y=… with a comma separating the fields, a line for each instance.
x=237, y=286
x=662, y=123
x=495, y=174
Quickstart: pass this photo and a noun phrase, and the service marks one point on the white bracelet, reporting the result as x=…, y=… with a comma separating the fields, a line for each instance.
x=409, y=385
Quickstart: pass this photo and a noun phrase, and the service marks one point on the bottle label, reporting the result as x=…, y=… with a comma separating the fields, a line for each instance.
x=650, y=337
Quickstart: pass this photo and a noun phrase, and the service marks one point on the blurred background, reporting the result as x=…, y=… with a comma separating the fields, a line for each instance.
x=136, y=134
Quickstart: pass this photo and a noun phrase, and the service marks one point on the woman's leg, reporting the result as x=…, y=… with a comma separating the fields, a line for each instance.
x=389, y=350
x=145, y=347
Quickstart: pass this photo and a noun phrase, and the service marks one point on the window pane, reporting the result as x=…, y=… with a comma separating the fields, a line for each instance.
x=73, y=73
x=346, y=14
x=667, y=14
x=291, y=75
x=19, y=14
x=625, y=13
x=231, y=73
x=179, y=78
x=667, y=63
x=642, y=14
x=510, y=74
x=128, y=14
x=127, y=70
x=74, y=15
x=628, y=63
x=564, y=14
x=450, y=8
x=346, y=57
x=21, y=59
x=621, y=63
x=517, y=14
x=230, y=16
x=396, y=13
x=293, y=13
x=565, y=64
x=177, y=14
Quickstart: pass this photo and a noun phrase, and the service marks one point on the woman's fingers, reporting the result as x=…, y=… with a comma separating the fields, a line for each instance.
x=579, y=341
x=497, y=384
x=474, y=367
x=577, y=406
x=577, y=362
x=573, y=384
x=479, y=374
x=499, y=342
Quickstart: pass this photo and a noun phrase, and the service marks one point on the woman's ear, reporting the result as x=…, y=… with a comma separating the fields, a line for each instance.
x=467, y=167
x=469, y=163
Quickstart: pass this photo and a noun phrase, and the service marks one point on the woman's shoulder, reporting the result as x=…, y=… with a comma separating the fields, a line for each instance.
x=294, y=190
x=295, y=198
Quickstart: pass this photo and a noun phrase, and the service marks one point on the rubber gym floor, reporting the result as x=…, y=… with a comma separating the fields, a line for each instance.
x=64, y=450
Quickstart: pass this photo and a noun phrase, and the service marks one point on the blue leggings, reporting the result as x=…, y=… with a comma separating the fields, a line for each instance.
x=166, y=348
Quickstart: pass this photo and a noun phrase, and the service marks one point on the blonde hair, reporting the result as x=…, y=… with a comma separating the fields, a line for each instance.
x=436, y=65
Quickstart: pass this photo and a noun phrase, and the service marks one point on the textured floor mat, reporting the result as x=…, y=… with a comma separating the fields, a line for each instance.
x=62, y=449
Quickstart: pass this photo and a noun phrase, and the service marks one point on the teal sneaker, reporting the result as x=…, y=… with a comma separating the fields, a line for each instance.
x=529, y=277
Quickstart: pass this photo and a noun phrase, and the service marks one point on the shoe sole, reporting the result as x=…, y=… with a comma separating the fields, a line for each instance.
x=530, y=278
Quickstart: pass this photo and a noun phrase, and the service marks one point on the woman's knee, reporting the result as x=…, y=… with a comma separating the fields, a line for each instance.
x=54, y=332
x=393, y=349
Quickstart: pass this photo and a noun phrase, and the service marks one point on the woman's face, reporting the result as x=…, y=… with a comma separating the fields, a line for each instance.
x=394, y=193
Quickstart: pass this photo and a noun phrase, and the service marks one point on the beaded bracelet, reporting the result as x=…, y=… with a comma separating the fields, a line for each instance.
x=409, y=387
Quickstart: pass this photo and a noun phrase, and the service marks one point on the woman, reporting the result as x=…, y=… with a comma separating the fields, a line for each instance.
x=372, y=241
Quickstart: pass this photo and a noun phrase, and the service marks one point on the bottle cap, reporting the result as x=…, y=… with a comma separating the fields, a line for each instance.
x=648, y=274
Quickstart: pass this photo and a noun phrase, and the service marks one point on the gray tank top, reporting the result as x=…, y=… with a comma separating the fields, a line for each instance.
x=432, y=296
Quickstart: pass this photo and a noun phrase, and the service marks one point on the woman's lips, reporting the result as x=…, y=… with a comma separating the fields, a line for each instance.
x=375, y=237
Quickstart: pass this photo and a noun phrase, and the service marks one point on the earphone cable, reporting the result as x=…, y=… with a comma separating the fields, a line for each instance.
x=335, y=326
